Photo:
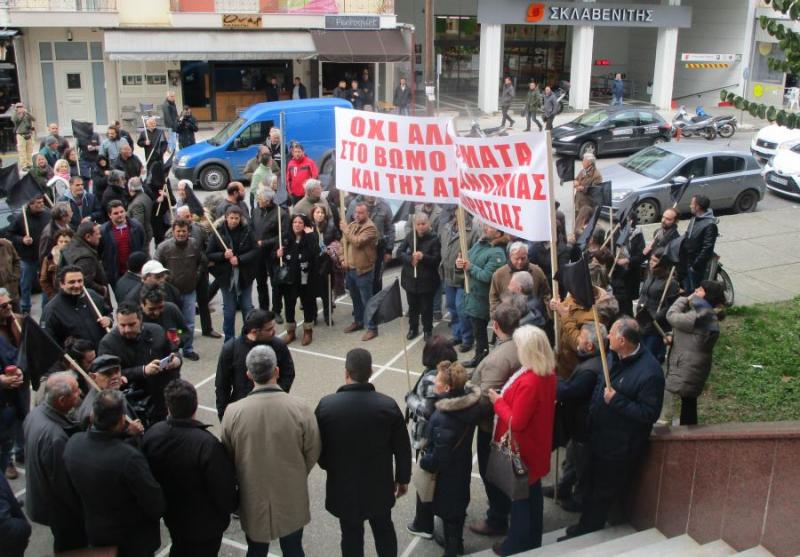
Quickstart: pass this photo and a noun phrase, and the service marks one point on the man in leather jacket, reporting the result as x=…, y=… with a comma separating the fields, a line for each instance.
x=698, y=243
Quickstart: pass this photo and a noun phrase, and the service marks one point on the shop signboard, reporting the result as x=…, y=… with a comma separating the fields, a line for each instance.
x=592, y=14
x=241, y=21
x=352, y=22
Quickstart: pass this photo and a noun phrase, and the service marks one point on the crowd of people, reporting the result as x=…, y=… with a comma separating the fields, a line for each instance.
x=125, y=263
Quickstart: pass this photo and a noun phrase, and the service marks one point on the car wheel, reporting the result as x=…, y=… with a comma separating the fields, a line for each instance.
x=587, y=147
x=647, y=211
x=659, y=139
x=746, y=202
x=214, y=178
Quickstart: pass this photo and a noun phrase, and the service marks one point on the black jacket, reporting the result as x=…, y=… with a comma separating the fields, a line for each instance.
x=122, y=501
x=427, y=279
x=365, y=450
x=699, y=241
x=132, y=167
x=187, y=126
x=649, y=297
x=402, y=97
x=620, y=430
x=198, y=478
x=449, y=450
x=72, y=316
x=108, y=247
x=573, y=396
x=112, y=193
x=169, y=111
x=265, y=228
x=15, y=530
x=301, y=258
x=16, y=232
x=125, y=284
x=151, y=344
x=171, y=293
x=273, y=92
x=241, y=241
x=158, y=141
x=79, y=252
x=171, y=318
x=232, y=383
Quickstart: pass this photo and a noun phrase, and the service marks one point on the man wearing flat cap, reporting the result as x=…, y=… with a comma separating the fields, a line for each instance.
x=106, y=371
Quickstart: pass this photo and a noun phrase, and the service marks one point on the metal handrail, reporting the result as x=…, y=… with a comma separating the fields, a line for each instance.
x=704, y=92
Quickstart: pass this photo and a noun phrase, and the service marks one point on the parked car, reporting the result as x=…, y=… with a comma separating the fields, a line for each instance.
x=611, y=129
x=213, y=163
x=782, y=173
x=765, y=142
x=729, y=178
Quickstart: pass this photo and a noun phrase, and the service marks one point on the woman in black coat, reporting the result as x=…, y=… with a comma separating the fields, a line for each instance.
x=300, y=255
x=648, y=312
x=100, y=172
x=327, y=233
x=448, y=454
x=420, y=288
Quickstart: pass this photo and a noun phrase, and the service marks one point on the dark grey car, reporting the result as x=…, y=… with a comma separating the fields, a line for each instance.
x=731, y=179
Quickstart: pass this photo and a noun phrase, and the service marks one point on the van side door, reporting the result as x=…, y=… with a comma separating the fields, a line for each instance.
x=245, y=145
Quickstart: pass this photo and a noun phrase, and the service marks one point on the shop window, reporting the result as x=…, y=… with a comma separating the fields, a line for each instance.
x=158, y=79
x=71, y=51
x=761, y=54
x=96, y=49
x=134, y=80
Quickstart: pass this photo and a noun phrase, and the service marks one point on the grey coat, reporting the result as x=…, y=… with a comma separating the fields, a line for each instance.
x=141, y=209
x=695, y=330
x=451, y=247
x=550, y=105
x=507, y=95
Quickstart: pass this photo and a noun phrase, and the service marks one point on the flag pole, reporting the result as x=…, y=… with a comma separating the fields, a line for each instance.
x=553, y=234
x=614, y=266
x=216, y=232
x=25, y=221
x=462, y=240
x=280, y=233
x=164, y=191
x=94, y=307
x=666, y=287
x=613, y=231
x=343, y=217
x=602, y=345
x=414, y=237
x=330, y=303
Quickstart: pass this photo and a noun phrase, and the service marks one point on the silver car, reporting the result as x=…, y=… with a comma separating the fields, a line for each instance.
x=730, y=179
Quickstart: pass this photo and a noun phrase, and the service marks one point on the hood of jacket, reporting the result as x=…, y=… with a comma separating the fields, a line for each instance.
x=458, y=401
x=501, y=241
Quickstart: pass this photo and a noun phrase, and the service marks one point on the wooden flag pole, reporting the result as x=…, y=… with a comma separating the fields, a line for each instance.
x=414, y=238
x=82, y=372
x=47, y=198
x=25, y=221
x=16, y=324
x=280, y=234
x=94, y=307
x=216, y=232
x=343, y=217
x=330, y=303
x=666, y=288
x=613, y=231
x=614, y=266
x=169, y=200
x=553, y=234
x=462, y=240
x=405, y=353
x=602, y=345
x=164, y=191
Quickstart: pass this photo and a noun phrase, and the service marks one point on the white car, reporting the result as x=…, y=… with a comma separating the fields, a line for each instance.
x=766, y=141
x=782, y=173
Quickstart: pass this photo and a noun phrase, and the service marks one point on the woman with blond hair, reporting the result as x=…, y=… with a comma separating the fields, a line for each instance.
x=526, y=405
x=58, y=185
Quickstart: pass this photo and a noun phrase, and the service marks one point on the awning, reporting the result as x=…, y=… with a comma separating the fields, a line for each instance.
x=386, y=45
x=207, y=45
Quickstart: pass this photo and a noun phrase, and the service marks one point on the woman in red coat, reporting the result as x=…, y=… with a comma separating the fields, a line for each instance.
x=528, y=403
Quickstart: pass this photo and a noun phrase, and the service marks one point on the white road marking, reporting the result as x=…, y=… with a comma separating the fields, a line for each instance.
x=340, y=359
x=207, y=409
x=410, y=549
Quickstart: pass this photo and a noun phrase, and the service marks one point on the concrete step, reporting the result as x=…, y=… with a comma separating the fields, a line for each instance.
x=713, y=549
x=552, y=549
x=757, y=551
x=672, y=547
x=615, y=547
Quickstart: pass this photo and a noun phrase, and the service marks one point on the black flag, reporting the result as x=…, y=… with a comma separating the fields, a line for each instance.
x=9, y=176
x=583, y=239
x=37, y=352
x=575, y=278
x=565, y=168
x=25, y=190
x=83, y=132
x=601, y=194
x=672, y=253
x=676, y=191
x=192, y=202
x=384, y=306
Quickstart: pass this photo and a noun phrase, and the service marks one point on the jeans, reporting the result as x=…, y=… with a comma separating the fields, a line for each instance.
x=532, y=116
x=401, y=110
x=481, y=335
x=499, y=503
x=188, y=308
x=460, y=327
x=230, y=303
x=291, y=546
x=8, y=420
x=506, y=116
x=548, y=122
x=616, y=100
x=526, y=522
x=377, y=276
x=360, y=288
x=30, y=273
x=691, y=281
x=172, y=140
x=382, y=531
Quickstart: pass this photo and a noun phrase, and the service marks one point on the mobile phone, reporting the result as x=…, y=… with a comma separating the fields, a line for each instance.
x=163, y=362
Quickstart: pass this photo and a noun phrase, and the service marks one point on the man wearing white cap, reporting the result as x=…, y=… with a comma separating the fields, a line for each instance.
x=153, y=272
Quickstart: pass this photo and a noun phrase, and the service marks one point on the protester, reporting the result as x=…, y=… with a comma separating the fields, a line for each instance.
x=262, y=172
x=663, y=235
x=169, y=113
x=367, y=456
x=186, y=128
x=507, y=93
x=116, y=190
x=699, y=241
x=198, y=478
x=492, y=373
x=119, y=237
x=275, y=145
x=251, y=430
x=129, y=163
x=141, y=347
x=617, y=89
x=550, y=108
x=695, y=331
x=24, y=130
x=233, y=266
x=483, y=259
x=10, y=271
x=58, y=186
x=265, y=231
x=620, y=420
x=14, y=525
x=313, y=196
x=381, y=216
x=122, y=501
x=533, y=105
x=627, y=271
x=48, y=271
x=49, y=150
x=41, y=171
x=518, y=261
x=153, y=272
x=51, y=497
x=13, y=388
x=26, y=242
x=299, y=254
x=420, y=275
x=653, y=288
x=84, y=205
x=361, y=241
x=460, y=326
x=132, y=277
x=158, y=311
x=525, y=409
x=299, y=170
x=106, y=372
x=234, y=198
x=402, y=98
x=329, y=270
x=585, y=183
x=140, y=209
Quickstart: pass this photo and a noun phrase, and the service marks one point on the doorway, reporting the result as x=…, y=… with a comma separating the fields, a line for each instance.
x=74, y=94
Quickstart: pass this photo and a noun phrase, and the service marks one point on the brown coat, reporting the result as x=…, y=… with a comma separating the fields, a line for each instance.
x=274, y=441
x=569, y=327
x=502, y=277
x=10, y=269
x=48, y=276
x=362, y=246
x=492, y=373
x=582, y=184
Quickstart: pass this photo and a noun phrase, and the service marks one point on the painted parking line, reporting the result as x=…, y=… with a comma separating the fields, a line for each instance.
x=410, y=549
x=341, y=359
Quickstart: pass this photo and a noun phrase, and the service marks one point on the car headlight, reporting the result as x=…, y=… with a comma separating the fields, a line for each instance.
x=619, y=195
x=183, y=161
x=568, y=138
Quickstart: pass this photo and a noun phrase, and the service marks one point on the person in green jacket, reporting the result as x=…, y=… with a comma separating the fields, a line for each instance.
x=483, y=259
x=533, y=105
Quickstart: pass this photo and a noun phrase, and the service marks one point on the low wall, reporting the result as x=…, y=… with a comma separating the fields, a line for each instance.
x=735, y=482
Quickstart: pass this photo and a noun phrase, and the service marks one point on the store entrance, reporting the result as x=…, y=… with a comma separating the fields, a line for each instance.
x=535, y=52
x=333, y=72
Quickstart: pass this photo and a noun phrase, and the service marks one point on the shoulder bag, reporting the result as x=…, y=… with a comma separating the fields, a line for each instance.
x=506, y=469
x=425, y=482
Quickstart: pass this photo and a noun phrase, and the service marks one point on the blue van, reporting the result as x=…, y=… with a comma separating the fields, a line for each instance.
x=219, y=160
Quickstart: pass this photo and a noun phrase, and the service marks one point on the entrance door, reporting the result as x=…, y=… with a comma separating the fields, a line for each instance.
x=74, y=94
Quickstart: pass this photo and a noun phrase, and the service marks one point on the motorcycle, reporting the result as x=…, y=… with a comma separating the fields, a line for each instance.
x=562, y=95
x=700, y=125
x=475, y=129
x=718, y=274
x=725, y=125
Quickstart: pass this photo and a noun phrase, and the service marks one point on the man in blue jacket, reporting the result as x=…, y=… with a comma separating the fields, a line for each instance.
x=119, y=238
x=617, y=90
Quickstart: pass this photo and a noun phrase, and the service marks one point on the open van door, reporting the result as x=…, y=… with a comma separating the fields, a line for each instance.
x=244, y=145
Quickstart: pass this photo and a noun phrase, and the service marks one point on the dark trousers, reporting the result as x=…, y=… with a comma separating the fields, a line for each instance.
x=262, y=279
x=499, y=504
x=203, y=300
x=290, y=294
x=192, y=548
x=382, y=531
x=291, y=546
x=68, y=534
x=576, y=465
x=506, y=116
x=420, y=305
x=548, y=122
x=532, y=116
x=688, y=410
x=324, y=291
x=606, y=480
x=655, y=344
x=527, y=515
x=377, y=277
x=480, y=333
x=423, y=517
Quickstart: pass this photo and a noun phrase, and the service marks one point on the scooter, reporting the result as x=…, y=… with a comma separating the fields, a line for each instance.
x=725, y=125
x=700, y=125
x=562, y=95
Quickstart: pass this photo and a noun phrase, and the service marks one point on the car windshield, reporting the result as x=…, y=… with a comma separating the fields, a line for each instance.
x=652, y=162
x=225, y=133
x=591, y=118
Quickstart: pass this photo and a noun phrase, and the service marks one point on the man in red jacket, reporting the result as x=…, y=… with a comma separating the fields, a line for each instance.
x=299, y=169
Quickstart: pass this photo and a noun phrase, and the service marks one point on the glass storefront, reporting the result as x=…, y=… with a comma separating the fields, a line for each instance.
x=458, y=40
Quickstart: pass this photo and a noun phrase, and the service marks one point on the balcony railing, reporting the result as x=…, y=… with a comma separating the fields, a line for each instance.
x=313, y=7
x=62, y=5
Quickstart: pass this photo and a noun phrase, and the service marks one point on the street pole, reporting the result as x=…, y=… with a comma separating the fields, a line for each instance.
x=428, y=70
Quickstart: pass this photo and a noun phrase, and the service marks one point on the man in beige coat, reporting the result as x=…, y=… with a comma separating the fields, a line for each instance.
x=274, y=441
x=361, y=237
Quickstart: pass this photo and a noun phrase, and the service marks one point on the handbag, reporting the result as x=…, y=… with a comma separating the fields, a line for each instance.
x=425, y=482
x=283, y=275
x=505, y=468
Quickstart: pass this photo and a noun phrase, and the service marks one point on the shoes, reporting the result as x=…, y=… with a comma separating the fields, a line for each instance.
x=11, y=472
x=572, y=532
x=571, y=505
x=527, y=129
x=369, y=335
x=412, y=334
x=550, y=492
x=307, y=337
x=353, y=327
x=193, y=356
x=465, y=348
x=329, y=322
x=437, y=315
x=497, y=548
x=291, y=333
x=477, y=359
x=426, y=336
x=19, y=459
x=278, y=318
x=212, y=334
x=454, y=342
x=482, y=528
x=414, y=531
